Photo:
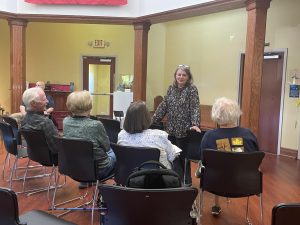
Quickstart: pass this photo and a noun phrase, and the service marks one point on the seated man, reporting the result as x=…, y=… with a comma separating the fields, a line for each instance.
x=35, y=102
x=229, y=136
x=49, y=106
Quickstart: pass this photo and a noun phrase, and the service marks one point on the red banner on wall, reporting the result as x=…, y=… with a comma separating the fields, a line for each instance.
x=79, y=2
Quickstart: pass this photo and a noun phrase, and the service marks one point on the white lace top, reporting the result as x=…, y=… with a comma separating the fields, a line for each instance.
x=151, y=138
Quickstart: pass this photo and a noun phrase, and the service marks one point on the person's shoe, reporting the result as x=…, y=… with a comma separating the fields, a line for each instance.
x=83, y=185
x=198, y=170
x=215, y=210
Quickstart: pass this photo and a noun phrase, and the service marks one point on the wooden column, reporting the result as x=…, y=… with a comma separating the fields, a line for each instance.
x=256, y=30
x=17, y=61
x=140, y=60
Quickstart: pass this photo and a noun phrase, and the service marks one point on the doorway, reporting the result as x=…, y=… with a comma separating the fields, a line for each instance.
x=98, y=79
x=271, y=103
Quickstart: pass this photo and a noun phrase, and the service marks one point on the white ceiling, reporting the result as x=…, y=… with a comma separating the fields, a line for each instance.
x=134, y=8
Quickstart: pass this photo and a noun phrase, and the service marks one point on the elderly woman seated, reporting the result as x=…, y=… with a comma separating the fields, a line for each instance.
x=136, y=133
x=79, y=125
x=229, y=136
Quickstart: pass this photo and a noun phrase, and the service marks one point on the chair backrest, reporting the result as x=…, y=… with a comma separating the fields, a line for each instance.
x=159, y=126
x=9, y=211
x=231, y=174
x=157, y=100
x=76, y=159
x=286, y=213
x=15, y=127
x=129, y=158
x=194, y=144
x=112, y=128
x=131, y=206
x=10, y=142
x=37, y=147
x=11, y=121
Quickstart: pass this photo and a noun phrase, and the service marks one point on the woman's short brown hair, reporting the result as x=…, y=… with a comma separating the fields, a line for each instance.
x=137, y=118
x=79, y=102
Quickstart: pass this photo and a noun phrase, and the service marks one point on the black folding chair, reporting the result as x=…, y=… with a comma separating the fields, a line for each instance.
x=13, y=123
x=9, y=212
x=193, y=148
x=112, y=128
x=19, y=152
x=232, y=175
x=129, y=158
x=131, y=206
x=38, y=151
x=286, y=214
x=76, y=160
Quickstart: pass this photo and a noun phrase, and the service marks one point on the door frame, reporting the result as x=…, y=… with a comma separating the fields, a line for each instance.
x=240, y=70
x=97, y=58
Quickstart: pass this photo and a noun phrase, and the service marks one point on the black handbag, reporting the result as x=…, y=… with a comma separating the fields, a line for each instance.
x=153, y=175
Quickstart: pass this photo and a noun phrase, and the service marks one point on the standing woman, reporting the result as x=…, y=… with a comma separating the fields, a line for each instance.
x=181, y=105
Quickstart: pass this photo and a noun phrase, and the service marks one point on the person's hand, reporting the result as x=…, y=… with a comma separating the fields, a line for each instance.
x=46, y=113
x=195, y=128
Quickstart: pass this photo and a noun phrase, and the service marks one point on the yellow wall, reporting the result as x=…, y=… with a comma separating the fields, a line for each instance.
x=211, y=46
x=54, y=51
x=4, y=65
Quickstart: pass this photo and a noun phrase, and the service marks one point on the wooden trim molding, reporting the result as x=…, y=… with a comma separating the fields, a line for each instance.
x=180, y=13
x=289, y=152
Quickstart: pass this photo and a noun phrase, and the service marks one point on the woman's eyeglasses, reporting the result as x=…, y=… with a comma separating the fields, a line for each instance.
x=183, y=66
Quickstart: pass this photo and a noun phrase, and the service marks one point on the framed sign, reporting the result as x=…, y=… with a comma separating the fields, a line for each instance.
x=294, y=91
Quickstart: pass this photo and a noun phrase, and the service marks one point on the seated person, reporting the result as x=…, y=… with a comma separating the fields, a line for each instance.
x=229, y=136
x=50, y=105
x=79, y=125
x=35, y=102
x=136, y=133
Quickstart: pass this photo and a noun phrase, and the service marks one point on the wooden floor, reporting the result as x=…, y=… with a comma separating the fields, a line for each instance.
x=281, y=184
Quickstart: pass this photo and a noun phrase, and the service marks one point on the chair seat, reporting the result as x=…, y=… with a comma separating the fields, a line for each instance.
x=38, y=217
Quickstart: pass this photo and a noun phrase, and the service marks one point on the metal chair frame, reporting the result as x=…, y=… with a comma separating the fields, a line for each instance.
x=18, y=151
x=38, y=151
x=78, y=153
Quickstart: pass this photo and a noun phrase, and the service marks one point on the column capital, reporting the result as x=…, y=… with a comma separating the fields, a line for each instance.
x=17, y=22
x=257, y=4
x=142, y=25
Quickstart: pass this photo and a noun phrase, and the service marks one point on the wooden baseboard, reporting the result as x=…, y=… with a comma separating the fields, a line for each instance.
x=288, y=152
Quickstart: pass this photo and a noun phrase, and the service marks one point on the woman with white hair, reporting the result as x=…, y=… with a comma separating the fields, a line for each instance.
x=79, y=125
x=229, y=136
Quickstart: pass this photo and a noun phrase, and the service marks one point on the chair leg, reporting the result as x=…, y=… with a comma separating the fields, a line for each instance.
x=25, y=174
x=247, y=211
x=4, y=164
x=201, y=206
x=12, y=172
x=96, y=193
x=261, y=209
x=184, y=170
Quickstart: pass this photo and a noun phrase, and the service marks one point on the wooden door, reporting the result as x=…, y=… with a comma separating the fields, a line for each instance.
x=269, y=116
x=105, y=65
